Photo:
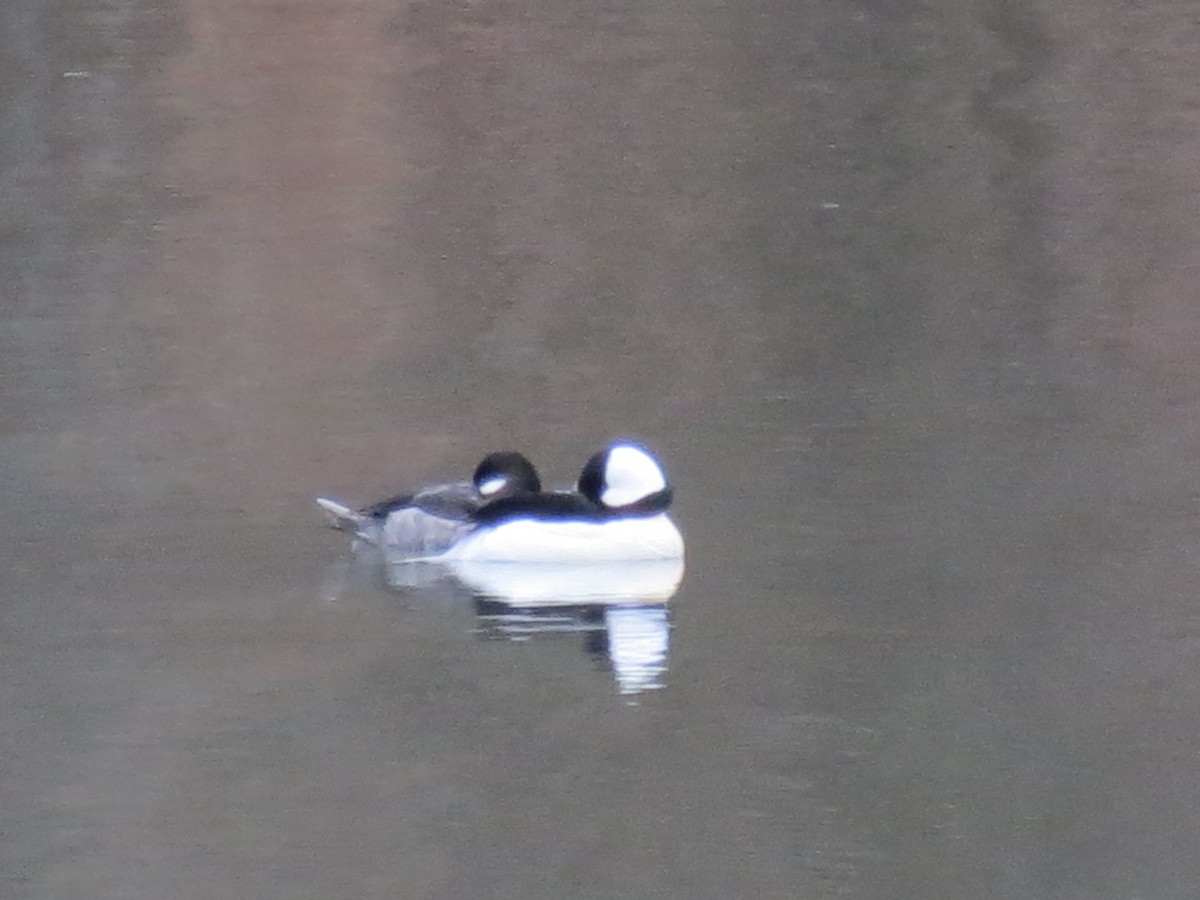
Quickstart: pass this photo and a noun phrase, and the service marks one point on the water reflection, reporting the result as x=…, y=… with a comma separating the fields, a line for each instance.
x=633, y=641
x=619, y=610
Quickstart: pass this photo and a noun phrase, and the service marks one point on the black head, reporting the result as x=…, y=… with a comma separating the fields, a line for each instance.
x=505, y=473
x=625, y=478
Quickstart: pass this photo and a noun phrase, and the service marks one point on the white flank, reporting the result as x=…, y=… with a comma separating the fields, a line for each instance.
x=536, y=540
x=559, y=584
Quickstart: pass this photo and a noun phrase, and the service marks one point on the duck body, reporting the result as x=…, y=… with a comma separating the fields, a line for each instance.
x=618, y=513
x=429, y=521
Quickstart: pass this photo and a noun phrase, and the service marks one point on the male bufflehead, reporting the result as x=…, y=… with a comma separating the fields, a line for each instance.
x=618, y=513
x=429, y=521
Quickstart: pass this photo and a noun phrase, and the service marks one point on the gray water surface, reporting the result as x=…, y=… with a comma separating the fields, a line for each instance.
x=903, y=294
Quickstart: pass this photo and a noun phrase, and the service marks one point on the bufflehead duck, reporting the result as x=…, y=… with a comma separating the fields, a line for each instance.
x=618, y=513
x=430, y=520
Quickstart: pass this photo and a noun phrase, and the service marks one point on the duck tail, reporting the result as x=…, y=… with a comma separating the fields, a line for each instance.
x=343, y=518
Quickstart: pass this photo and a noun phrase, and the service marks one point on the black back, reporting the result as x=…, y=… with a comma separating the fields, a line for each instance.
x=519, y=472
x=562, y=506
x=460, y=499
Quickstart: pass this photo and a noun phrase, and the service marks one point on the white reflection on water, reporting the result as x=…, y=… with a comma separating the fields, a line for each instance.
x=633, y=640
x=639, y=638
x=620, y=608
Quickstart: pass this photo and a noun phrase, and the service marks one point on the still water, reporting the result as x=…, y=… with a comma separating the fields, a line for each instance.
x=904, y=296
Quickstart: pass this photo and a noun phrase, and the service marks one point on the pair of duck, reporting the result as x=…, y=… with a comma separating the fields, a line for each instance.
x=617, y=512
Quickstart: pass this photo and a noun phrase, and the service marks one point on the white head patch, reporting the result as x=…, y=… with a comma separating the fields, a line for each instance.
x=493, y=485
x=629, y=475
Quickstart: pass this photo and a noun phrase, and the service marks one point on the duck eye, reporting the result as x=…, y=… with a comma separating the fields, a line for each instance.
x=492, y=485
